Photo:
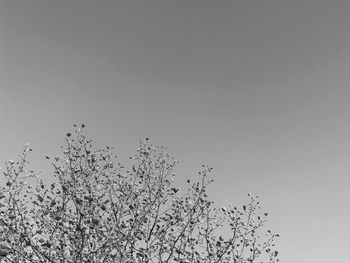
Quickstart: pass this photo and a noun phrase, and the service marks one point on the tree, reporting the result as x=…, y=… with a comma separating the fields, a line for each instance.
x=97, y=210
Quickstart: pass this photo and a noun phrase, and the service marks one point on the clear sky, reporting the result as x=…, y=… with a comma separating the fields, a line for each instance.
x=257, y=89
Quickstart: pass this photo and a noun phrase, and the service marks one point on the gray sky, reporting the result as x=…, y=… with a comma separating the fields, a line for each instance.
x=256, y=89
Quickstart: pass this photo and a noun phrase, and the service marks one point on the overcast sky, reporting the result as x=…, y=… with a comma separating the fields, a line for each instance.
x=257, y=89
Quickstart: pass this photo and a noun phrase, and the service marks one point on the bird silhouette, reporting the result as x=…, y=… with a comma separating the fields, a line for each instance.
x=4, y=249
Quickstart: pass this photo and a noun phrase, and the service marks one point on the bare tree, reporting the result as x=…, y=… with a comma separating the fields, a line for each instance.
x=99, y=211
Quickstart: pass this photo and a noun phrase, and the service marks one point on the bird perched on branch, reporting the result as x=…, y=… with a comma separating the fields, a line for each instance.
x=4, y=249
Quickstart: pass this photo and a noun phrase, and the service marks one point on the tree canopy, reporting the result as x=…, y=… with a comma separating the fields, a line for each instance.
x=97, y=210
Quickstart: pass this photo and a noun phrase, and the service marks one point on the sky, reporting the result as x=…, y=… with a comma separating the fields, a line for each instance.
x=259, y=90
